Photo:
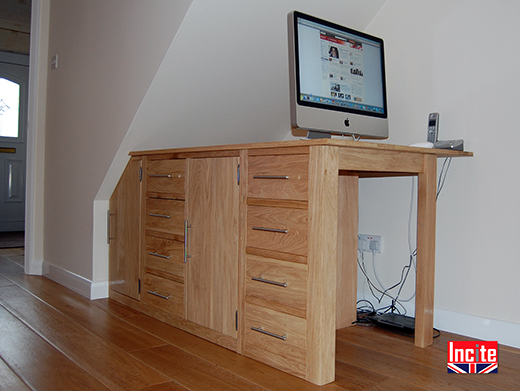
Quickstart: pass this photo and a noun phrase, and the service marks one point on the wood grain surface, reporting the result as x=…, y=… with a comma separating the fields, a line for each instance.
x=38, y=353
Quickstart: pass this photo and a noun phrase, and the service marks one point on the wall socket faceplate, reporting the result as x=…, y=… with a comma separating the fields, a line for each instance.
x=371, y=243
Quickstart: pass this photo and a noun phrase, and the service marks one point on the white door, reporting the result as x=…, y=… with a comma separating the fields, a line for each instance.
x=14, y=80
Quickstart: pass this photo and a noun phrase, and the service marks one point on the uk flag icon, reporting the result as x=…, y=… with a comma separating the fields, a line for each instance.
x=472, y=368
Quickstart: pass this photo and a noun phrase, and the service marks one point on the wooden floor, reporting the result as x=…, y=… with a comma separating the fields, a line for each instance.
x=54, y=339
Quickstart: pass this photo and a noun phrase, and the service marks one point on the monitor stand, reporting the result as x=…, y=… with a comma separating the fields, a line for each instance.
x=312, y=135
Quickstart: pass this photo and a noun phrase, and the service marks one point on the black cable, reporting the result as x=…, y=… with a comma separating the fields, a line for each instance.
x=363, y=313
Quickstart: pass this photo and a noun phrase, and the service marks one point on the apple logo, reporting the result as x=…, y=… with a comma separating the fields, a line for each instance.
x=347, y=122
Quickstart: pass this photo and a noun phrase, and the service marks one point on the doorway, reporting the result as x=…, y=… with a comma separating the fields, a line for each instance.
x=14, y=80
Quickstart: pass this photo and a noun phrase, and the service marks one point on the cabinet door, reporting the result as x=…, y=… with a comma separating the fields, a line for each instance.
x=124, y=232
x=212, y=269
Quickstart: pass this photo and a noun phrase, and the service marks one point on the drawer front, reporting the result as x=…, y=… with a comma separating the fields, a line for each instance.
x=165, y=215
x=165, y=177
x=164, y=255
x=267, y=345
x=278, y=229
x=278, y=177
x=163, y=294
x=277, y=284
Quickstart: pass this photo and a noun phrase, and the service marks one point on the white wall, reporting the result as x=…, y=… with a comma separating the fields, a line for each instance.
x=108, y=54
x=458, y=58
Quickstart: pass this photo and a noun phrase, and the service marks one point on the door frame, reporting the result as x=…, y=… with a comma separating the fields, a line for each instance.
x=35, y=162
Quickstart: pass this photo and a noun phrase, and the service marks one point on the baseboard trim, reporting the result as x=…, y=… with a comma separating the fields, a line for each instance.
x=75, y=282
x=506, y=333
x=99, y=290
x=33, y=267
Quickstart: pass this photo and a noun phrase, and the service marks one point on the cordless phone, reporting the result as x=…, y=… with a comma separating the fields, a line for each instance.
x=433, y=127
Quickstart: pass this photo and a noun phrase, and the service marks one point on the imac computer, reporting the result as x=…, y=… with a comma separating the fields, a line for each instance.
x=337, y=81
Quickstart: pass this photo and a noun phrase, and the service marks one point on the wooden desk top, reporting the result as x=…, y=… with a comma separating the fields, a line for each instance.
x=343, y=144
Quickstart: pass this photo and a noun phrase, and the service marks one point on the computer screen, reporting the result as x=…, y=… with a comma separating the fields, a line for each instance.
x=337, y=79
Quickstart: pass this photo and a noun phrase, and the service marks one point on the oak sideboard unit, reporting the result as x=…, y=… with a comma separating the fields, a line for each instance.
x=254, y=246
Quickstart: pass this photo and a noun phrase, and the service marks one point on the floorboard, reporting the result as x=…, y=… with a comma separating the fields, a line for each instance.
x=5, y=281
x=393, y=384
x=256, y=372
x=402, y=368
x=193, y=372
x=170, y=386
x=10, y=381
x=79, y=309
x=54, y=339
x=435, y=357
x=112, y=366
x=9, y=267
x=37, y=363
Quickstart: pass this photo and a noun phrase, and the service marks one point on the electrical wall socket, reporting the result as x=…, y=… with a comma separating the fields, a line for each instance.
x=371, y=243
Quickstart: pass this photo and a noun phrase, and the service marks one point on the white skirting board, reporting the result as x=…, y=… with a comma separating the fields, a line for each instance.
x=81, y=285
x=505, y=333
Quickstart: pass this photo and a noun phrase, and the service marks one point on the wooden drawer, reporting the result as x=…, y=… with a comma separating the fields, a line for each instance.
x=278, y=177
x=163, y=294
x=165, y=178
x=165, y=216
x=276, y=284
x=287, y=354
x=165, y=258
x=279, y=229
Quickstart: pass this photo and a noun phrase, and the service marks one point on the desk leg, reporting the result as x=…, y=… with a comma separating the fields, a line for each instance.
x=346, y=288
x=321, y=264
x=425, y=279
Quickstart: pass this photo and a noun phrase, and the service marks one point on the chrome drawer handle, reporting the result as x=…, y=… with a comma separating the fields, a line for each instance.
x=270, y=176
x=282, y=231
x=260, y=279
x=157, y=215
x=159, y=176
x=261, y=330
x=159, y=295
x=186, y=255
x=159, y=255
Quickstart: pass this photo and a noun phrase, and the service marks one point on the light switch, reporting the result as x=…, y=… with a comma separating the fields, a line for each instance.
x=54, y=62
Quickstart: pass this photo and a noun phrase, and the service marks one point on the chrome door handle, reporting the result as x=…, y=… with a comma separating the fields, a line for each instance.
x=186, y=226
